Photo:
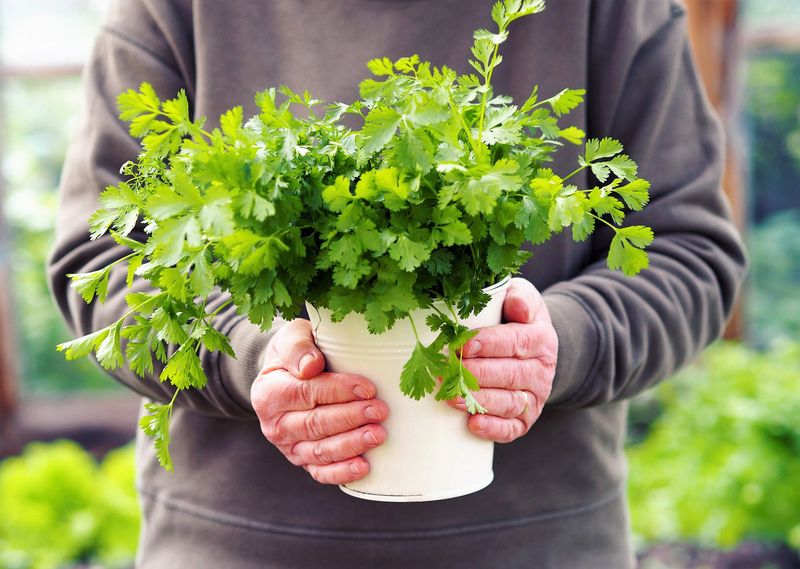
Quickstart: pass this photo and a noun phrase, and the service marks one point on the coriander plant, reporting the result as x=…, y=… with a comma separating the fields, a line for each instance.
x=430, y=200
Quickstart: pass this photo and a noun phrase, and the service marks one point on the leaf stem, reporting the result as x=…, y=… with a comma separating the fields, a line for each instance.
x=612, y=226
x=487, y=84
x=574, y=173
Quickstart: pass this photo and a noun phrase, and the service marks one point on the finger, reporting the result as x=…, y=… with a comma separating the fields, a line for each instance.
x=340, y=472
x=512, y=340
x=327, y=420
x=510, y=373
x=279, y=391
x=294, y=349
x=522, y=301
x=496, y=429
x=504, y=403
x=338, y=448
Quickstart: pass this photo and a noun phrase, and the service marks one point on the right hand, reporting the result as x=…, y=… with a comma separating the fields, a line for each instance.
x=319, y=420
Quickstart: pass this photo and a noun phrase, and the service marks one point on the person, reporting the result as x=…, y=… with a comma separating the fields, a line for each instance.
x=578, y=340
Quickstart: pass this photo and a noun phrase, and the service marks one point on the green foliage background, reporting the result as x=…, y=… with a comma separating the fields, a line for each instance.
x=722, y=462
x=59, y=506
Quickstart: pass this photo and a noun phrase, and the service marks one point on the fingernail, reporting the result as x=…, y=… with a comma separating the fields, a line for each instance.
x=372, y=413
x=305, y=361
x=370, y=438
x=360, y=392
x=459, y=402
x=472, y=348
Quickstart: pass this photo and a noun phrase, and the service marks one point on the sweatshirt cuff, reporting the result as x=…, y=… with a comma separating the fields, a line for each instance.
x=249, y=344
x=579, y=342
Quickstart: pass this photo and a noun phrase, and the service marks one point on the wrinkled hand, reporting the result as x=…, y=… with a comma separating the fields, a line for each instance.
x=320, y=421
x=515, y=364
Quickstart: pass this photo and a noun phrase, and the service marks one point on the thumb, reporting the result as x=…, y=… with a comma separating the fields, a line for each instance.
x=294, y=347
x=522, y=302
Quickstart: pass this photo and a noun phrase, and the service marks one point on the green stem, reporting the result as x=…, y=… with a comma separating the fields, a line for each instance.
x=574, y=173
x=487, y=84
x=171, y=404
x=597, y=217
x=414, y=328
x=221, y=307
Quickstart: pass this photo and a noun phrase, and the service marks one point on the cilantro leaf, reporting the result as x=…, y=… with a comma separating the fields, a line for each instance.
x=155, y=424
x=626, y=251
x=601, y=148
x=419, y=374
x=379, y=128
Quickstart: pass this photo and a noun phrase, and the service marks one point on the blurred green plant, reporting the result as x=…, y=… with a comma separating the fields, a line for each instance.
x=60, y=507
x=34, y=147
x=772, y=118
x=722, y=462
x=773, y=302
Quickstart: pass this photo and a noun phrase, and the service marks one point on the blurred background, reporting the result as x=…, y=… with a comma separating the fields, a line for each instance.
x=714, y=453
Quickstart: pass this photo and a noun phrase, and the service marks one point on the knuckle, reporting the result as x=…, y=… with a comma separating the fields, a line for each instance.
x=524, y=342
x=316, y=473
x=305, y=394
x=515, y=404
x=510, y=431
x=275, y=431
x=312, y=424
x=321, y=454
x=295, y=455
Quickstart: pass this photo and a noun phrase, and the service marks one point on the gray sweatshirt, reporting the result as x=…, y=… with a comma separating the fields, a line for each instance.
x=557, y=500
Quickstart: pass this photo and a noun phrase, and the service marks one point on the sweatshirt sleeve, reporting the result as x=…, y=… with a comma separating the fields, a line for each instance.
x=135, y=45
x=619, y=335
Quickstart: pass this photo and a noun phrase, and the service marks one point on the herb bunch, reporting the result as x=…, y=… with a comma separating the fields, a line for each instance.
x=430, y=200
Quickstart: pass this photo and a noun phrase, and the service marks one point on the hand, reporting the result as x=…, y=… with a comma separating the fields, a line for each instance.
x=321, y=421
x=515, y=364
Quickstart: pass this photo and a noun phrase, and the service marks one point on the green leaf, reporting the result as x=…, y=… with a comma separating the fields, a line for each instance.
x=623, y=167
x=409, y=254
x=601, y=148
x=215, y=341
x=480, y=195
x=338, y=196
x=142, y=302
x=381, y=67
x=155, y=424
x=109, y=351
x=572, y=134
x=83, y=346
x=231, y=122
x=133, y=265
x=394, y=189
x=566, y=101
x=496, y=39
x=183, y=369
x=638, y=235
x=418, y=377
x=414, y=153
x=635, y=194
x=132, y=103
x=379, y=128
x=626, y=251
x=140, y=359
x=90, y=284
x=201, y=279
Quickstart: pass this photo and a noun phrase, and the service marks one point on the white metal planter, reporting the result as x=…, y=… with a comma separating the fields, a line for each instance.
x=429, y=453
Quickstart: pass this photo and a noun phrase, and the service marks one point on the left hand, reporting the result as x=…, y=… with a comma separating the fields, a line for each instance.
x=515, y=364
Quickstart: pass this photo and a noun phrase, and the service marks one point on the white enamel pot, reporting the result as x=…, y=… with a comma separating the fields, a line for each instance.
x=429, y=453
